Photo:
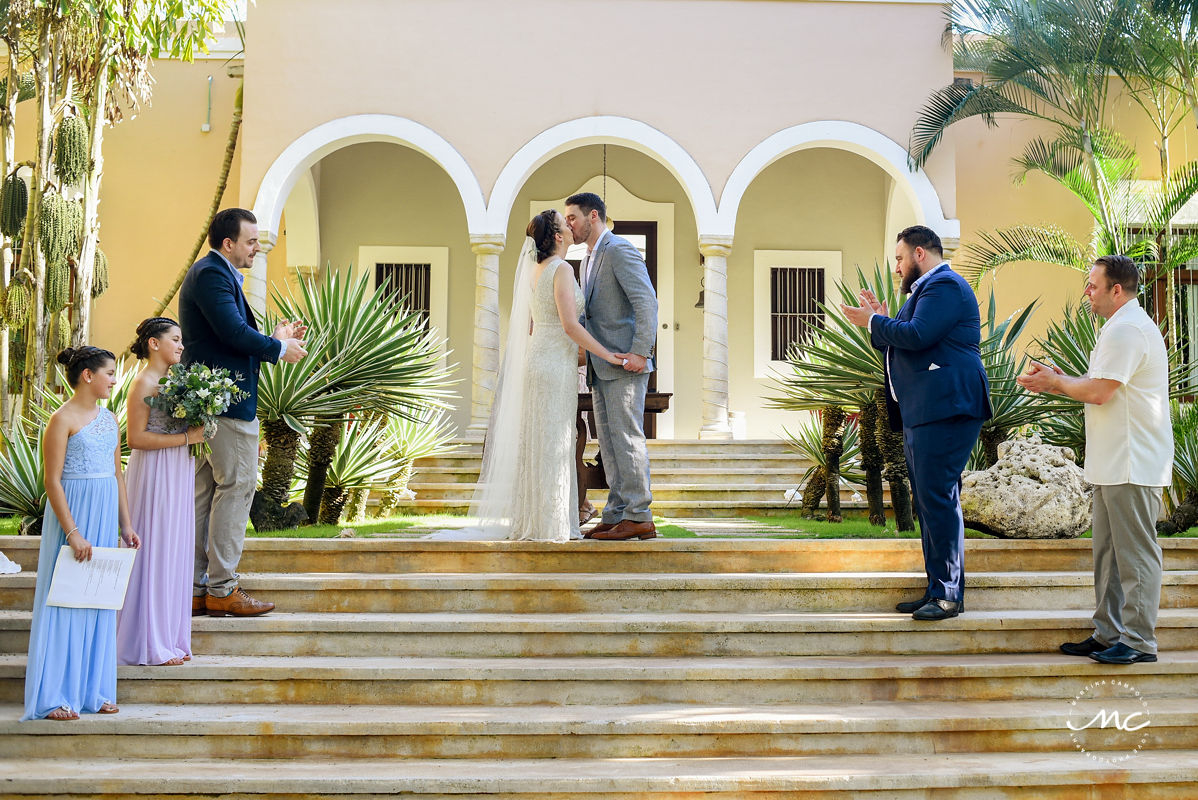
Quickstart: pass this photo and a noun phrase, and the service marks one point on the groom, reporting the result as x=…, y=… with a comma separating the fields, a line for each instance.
x=621, y=312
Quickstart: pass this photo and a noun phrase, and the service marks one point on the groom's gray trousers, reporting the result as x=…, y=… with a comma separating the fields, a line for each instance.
x=620, y=417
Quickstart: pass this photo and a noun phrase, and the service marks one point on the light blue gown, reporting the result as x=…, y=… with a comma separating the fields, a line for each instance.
x=72, y=651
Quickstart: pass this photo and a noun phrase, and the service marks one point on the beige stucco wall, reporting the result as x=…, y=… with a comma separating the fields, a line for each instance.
x=160, y=174
x=718, y=76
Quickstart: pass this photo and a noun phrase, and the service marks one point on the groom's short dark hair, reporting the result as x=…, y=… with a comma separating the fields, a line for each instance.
x=588, y=202
x=227, y=225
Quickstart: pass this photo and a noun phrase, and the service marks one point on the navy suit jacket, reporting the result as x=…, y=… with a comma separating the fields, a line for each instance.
x=935, y=364
x=219, y=329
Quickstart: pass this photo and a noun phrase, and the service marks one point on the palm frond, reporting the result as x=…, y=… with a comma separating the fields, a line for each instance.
x=951, y=104
x=1020, y=243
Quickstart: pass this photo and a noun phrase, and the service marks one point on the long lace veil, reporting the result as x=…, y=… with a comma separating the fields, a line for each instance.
x=495, y=492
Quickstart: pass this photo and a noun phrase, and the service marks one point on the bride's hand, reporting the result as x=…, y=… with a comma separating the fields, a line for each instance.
x=617, y=359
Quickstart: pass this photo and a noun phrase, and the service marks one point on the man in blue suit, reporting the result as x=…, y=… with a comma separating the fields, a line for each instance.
x=937, y=391
x=219, y=330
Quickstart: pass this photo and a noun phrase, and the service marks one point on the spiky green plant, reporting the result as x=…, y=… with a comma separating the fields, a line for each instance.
x=22, y=477
x=809, y=441
x=838, y=366
x=363, y=356
x=365, y=459
x=427, y=434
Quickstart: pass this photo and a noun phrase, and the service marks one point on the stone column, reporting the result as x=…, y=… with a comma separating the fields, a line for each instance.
x=487, y=248
x=951, y=244
x=256, y=286
x=715, y=251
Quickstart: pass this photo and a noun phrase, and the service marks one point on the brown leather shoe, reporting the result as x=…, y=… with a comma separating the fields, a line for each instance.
x=600, y=528
x=198, y=606
x=237, y=604
x=628, y=529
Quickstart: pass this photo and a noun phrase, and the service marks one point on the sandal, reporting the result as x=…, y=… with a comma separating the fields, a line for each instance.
x=62, y=714
x=107, y=708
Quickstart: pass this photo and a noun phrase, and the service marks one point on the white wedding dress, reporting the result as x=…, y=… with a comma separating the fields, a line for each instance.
x=527, y=489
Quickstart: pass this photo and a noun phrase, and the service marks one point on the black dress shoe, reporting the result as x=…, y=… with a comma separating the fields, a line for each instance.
x=915, y=605
x=1085, y=648
x=936, y=609
x=912, y=605
x=1122, y=654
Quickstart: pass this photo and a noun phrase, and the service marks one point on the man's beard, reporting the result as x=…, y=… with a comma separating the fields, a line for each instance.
x=912, y=274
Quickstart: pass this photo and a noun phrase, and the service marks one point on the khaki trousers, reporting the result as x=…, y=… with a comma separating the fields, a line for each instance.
x=225, y=482
x=1127, y=565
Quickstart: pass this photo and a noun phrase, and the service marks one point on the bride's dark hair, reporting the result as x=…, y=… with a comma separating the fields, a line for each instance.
x=541, y=230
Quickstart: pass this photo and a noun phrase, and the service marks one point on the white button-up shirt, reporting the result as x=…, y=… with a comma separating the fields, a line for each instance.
x=1129, y=438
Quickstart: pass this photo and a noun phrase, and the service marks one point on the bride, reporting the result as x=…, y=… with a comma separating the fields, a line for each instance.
x=527, y=488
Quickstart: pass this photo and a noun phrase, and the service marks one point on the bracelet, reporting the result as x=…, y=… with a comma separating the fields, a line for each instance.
x=185, y=438
x=72, y=530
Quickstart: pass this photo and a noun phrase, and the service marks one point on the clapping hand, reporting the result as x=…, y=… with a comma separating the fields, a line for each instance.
x=292, y=333
x=859, y=315
x=1040, y=377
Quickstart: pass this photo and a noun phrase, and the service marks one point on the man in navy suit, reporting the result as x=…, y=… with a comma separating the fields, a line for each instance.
x=937, y=391
x=219, y=330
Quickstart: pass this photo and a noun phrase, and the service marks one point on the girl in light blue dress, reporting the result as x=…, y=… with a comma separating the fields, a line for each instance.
x=72, y=651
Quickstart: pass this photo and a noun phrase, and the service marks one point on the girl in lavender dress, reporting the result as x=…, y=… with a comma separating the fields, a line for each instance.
x=154, y=627
x=72, y=651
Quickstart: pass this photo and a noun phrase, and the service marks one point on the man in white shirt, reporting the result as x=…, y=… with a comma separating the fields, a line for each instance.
x=1129, y=459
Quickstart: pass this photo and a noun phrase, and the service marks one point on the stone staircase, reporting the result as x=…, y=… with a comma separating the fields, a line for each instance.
x=672, y=669
x=690, y=478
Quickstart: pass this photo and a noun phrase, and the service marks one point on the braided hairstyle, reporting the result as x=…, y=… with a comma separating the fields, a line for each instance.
x=151, y=328
x=77, y=359
x=541, y=230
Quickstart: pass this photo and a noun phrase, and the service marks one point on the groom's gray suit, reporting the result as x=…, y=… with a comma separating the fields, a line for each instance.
x=621, y=312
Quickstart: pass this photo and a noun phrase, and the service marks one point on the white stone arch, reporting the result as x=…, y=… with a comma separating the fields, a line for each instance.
x=621, y=131
x=299, y=156
x=838, y=134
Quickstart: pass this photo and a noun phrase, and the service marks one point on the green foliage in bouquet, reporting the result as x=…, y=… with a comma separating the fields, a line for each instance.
x=197, y=394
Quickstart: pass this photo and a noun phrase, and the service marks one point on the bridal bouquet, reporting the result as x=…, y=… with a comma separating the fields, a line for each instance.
x=198, y=395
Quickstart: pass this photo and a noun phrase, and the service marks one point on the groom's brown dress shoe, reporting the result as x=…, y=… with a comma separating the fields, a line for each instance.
x=628, y=529
x=236, y=604
x=602, y=527
x=198, y=606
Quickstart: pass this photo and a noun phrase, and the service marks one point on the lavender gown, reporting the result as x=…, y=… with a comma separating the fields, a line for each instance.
x=72, y=651
x=155, y=624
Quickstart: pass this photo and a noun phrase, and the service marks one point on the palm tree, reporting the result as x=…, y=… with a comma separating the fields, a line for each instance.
x=363, y=357
x=1044, y=60
x=837, y=366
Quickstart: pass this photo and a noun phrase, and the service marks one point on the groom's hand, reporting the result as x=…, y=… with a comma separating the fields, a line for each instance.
x=634, y=363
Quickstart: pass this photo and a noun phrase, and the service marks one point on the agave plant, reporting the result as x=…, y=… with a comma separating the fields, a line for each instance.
x=425, y=435
x=810, y=441
x=1068, y=343
x=837, y=366
x=362, y=357
x=365, y=459
x=22, y=477
x=1012, y=408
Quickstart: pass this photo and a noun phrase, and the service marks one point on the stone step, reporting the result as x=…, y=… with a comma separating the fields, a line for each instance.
x=654, y=556
x=592, y=680
x=691, y=508
x=641, y=731
x=774, y=633
x=1044, y=776
x=597, y=592
x=657, y=460
x=663, y=493
x=661, y=476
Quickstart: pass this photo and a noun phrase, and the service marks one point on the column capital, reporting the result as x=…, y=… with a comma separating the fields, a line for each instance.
x=951, y=245
x=267, y=240
x=487, y=244
x=715, y=245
